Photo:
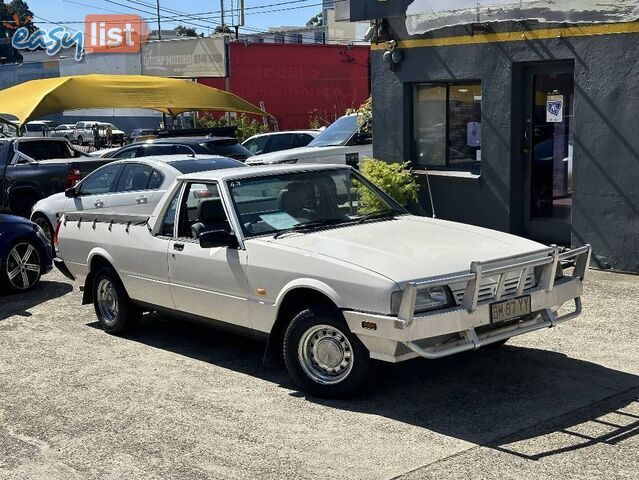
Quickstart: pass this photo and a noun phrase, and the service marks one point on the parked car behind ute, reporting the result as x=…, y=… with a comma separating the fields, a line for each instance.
x=207, y=145
x=128, y=186
x=278, y=141
x=322, y=263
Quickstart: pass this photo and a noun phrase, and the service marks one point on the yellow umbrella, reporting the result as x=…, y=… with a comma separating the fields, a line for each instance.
x=37, y=98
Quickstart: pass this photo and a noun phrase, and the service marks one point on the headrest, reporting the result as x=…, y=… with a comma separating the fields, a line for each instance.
x=210, y=210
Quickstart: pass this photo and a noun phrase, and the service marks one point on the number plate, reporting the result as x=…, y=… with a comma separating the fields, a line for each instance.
x=509, y=309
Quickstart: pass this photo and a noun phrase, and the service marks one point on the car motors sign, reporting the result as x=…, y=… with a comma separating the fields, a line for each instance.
x=425, y=15
x=190, y=58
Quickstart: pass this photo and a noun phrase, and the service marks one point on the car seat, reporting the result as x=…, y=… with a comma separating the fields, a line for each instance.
x=210, y=216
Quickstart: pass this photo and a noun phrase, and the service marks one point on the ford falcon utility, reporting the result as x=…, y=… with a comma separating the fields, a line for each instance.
x=324, y=264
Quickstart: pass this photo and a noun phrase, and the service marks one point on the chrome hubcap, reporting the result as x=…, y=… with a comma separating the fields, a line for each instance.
x=23, y=266
x=107, y=301
x=325, y=354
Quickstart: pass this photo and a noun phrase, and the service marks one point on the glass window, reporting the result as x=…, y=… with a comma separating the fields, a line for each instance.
x=134, y=177
x=169, y=217
x=149, y=150
x=199, y=164
x=256, y=145
x=279, y=142
x=270, y=204
x=125, y=153
x=337, y=133
x=101, y=181
x=155, y=182
x=302, y=139
x=201, y=203
x=46, y=149
x=447, y=125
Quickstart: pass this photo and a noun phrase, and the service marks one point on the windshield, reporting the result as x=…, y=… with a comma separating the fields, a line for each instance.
x=337, y=133
x=275, y=203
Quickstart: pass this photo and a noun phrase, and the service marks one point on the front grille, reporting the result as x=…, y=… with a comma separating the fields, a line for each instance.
x=489, y=286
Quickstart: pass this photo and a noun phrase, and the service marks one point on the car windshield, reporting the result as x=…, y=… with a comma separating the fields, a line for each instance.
x=301, y=201
x=338, y=133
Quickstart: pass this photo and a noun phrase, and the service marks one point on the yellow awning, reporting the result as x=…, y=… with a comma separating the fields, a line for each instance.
x=37, y=98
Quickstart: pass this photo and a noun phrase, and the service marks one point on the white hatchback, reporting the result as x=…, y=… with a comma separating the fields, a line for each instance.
x=129, y=186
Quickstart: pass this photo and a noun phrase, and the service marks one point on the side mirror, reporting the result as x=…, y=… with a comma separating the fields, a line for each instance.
x=71, y=192
x=218, y=238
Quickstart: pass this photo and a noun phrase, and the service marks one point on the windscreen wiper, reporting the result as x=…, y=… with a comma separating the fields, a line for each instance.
x=300, y=227
x=378, y=215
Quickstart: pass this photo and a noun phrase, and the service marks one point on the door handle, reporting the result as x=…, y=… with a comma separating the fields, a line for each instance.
x=178, y=246
x=99, y=204
x=141, y=199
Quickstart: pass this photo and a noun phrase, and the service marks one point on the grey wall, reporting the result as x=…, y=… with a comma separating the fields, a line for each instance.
x=13, y=74
x=606, y=132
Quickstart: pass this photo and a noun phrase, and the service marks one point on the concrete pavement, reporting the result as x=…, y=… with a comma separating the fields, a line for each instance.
x=176, y=400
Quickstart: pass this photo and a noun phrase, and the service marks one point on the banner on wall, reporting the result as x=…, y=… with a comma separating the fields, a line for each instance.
x=426, y=15
x=186, y=58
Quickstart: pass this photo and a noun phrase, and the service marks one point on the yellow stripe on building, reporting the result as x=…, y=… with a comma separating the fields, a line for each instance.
x=540, y=34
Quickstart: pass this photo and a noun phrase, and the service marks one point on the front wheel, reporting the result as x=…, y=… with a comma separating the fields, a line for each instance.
x=44, y=223
x=323, y=357
x=22, y=268
x=80, y=141
x=115, y=311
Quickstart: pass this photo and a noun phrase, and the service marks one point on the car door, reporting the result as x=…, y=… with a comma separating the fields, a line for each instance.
x=137, y=190
x=95, y=189
x=207, y=282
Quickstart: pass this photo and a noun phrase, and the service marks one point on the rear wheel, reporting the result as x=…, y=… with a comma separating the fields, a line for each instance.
x=323, y=357
x=113, y=307
x=22, y=267
x=22, y=205
x=80, y=140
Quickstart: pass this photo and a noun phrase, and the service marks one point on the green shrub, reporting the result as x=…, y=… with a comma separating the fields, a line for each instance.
x=246, y=126
x=395, y=179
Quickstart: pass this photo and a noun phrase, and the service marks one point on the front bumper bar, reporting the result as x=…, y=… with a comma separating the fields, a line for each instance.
x=458, y=329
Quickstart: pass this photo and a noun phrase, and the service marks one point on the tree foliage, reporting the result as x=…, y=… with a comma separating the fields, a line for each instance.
x=10, y=12
x=316, y=21
x=183, y=31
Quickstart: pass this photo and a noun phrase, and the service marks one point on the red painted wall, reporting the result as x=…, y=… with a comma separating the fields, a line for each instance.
x=296, y=82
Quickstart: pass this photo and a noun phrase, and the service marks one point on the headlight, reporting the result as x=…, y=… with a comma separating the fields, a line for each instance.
x=427, y=300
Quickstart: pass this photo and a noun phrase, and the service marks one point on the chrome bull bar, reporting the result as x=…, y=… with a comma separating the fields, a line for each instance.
x=547, y=260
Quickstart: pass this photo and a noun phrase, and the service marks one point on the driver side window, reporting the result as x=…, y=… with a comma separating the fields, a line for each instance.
x=202, y=210
x=101, y=181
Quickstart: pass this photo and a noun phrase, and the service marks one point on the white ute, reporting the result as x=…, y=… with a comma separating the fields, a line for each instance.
x=324, y=264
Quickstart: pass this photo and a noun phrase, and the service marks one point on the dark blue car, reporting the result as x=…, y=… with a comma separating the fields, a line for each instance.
x=25, y=253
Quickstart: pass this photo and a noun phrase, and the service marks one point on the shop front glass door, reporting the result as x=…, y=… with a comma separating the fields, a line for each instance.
x=549, y=153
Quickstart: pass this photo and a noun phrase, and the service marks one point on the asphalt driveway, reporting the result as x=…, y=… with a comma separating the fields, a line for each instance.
x=177, y=400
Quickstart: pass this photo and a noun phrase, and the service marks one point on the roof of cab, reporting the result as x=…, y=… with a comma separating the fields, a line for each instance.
x=258, y=171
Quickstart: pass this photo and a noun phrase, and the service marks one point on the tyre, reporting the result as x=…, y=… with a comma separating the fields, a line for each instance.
x=115, y=311
x=80, y=140
x=43, y=222
x=22, y=267
x=323, y=357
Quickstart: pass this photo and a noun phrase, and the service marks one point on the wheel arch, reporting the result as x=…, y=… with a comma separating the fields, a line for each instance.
x=98, y=257
x=295, y=297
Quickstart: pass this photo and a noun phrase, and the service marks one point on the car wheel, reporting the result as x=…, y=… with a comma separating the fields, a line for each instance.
x=21, y=268
x=44, y=224
x=22, y=205
x=115, y=311
x=323, y=357
x=66, y=137
x=80, y=140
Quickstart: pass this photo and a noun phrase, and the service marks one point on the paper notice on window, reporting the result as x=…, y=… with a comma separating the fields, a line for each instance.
x=473, y=134
x=555, y=109
x=279, y=220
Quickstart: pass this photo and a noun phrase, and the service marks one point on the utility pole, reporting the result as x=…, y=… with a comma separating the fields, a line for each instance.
x=159, y=25
x=221, y=14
